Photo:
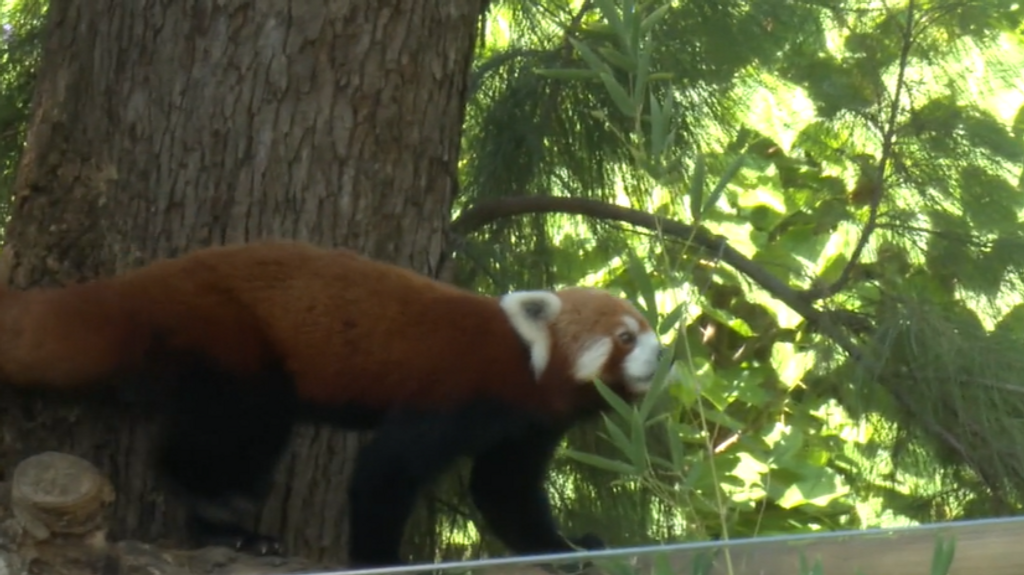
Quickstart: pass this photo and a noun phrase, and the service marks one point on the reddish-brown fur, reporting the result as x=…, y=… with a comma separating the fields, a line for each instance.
x=348, y=328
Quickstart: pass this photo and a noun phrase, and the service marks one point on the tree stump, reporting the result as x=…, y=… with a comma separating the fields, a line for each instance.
x=55, y=494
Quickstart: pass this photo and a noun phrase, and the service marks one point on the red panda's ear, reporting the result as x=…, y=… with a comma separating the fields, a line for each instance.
x=531, y=313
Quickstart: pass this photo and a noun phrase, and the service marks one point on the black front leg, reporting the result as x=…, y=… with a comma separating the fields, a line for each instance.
x=409, y=450
x=220, y=441
x=508, y=487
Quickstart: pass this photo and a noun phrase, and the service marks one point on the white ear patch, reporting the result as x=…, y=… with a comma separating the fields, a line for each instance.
x=530, y=313
x=591, y=361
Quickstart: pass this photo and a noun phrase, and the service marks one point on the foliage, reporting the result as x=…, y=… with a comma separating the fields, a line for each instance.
x=869, y=156
x=20, y=42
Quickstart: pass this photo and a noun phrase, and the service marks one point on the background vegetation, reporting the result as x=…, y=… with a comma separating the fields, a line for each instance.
x=837, y=249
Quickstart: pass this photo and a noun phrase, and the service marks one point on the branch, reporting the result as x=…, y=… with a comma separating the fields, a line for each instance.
x=490, y=211
x=888, y=142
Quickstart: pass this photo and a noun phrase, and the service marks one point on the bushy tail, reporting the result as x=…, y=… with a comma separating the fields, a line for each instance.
x=77, y=336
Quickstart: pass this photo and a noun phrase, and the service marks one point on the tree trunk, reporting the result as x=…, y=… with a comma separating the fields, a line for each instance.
x=160, y=127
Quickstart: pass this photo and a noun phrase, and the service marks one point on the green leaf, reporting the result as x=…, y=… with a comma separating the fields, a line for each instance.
x=590, y=57
x=659, y=127
x=730, y=173
x=662, y=566
x=631, y=20
x=986, y=132
x=942, y=558
x=614, y=401
x=806, y=569
x=660, y=382
x=671, y=320
x=643, y=70
x=638, y=448
x=697, y=190
x=1018, y=124
x=736, y=323
x=618, y=437
x=653, y=19
x=619, y=467
x=779, y=260
x=788, y=448
x=721, y=418
x=619, y=95
x=990, y=201
x=618, y=59
x=638, y=273
x=611, y=13
x=675, y=447
x=661, y=463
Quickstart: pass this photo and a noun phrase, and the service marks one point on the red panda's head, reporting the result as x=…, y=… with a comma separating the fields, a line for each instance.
x=592, y=333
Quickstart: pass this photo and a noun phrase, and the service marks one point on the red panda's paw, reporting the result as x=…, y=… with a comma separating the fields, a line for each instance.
x=217, y=534
x=259, y=545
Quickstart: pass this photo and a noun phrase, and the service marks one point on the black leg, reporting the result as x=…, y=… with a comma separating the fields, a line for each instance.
x=406, y=453
x=221, y=442
x=507, y=486
x=409, y=450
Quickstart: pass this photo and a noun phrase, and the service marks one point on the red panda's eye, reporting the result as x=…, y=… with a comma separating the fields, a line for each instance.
x=627, y=338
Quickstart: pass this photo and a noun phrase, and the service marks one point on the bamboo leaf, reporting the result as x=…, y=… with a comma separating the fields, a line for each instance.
x=730, y=173
x=611, y=13
x=613, y=399
x=631, y=23
x=590, y=57
x=942, y=558
x=697, y=190
x=659, y=127
x=675, y=447
x=601, y=462
x=618, y=59
x=618, y=437
x=643, y=71
x=619, y=95
x=638, y=447
x=653, y=19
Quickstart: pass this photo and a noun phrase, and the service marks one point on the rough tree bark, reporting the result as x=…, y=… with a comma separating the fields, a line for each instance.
x=160, y=127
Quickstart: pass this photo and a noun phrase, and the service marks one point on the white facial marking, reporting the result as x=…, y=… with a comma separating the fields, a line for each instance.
x=530, y=313
x=591, y=361
x=631, y=323
x=641, y=363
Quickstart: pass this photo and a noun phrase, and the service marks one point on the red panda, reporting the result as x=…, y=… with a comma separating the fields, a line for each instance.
x=253, y=337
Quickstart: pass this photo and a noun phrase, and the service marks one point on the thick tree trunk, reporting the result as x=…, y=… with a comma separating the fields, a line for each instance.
x=160, y=127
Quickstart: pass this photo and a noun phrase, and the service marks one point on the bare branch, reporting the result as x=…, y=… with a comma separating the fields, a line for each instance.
x=493, y=210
